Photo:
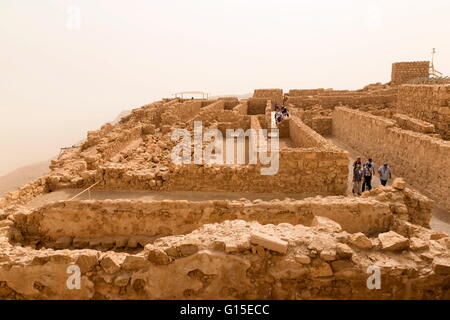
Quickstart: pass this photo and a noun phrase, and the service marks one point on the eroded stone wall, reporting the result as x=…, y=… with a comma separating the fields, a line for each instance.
x=405, y=71
x=239, y=260
x=355, y=100
x=409, y=123
x=430, y=103
x=421, y=159
x=275, y=95
x=91, y=223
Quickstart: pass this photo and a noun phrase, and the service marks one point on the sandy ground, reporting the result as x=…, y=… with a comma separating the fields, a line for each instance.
x=441, y=217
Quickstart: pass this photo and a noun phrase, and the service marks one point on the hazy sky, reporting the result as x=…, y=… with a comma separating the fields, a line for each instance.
x=61, y=78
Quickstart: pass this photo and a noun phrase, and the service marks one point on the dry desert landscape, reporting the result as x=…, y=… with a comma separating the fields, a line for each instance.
x=139, y=226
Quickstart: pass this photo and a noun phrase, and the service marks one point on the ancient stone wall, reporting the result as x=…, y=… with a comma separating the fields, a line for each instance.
x=305, y=92
x=322, y=125
x=405, y=71
x=303, y=136
x=25, y=193
x=421, y=159
x=352, y=100
x=256, y=106
x=301, y=172
x=275, y=95
x=91, y=222
x=230, y=102
x=232, y=260
x=180, y=112
x=430, y=103
x=409, y=123
x=241, y=108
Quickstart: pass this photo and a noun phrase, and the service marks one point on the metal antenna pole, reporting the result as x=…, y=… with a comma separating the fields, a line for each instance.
x=433, y=71
x=432, y=58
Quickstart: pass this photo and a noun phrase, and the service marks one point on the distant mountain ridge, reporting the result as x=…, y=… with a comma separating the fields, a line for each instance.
x=21, y=176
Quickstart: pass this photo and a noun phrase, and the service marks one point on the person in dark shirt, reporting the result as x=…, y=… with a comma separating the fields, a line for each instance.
x=368, y=173
x=357, y=178
x=357, y=161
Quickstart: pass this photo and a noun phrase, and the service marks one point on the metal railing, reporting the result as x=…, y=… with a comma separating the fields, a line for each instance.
x=87, y=189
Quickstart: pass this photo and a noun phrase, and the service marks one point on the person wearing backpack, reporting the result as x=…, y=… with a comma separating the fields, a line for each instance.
x=368, y=173
x=371, y=162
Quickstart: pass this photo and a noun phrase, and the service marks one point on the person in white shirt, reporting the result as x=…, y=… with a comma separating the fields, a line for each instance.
x=385, y=174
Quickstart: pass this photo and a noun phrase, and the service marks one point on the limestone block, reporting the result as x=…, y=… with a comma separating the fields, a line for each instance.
x=135, y=262
x=321, y=269
x=399, y=184
x=392, y=241
x=417, y=244
x=122, y=280
x=156, y=255
x=303, y=259
x=328, y=255
x=87, y=260
x=438, y=235
x=269, y=242
x=441, y=266
x=360, y=240
x=187, y=249
x=6, y=223
x=344, y=251
x=111, y=262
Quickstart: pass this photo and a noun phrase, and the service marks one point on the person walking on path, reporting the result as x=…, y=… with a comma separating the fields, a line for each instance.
x=357, y=178
x=357, y=161
x=385, y=174
x=370, y=161
x=368, y=173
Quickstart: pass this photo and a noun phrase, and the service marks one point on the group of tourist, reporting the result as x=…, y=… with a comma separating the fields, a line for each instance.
x=363, y=174
x=281, y=113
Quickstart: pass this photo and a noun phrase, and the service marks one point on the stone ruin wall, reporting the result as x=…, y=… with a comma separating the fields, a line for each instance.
x=25, y=193
x=274, y=95
x=265, y=258
x=429, y=103
x=354, y=100
x=178, y=249
x=402, y=72
x=180, y=112
x=229, y=102
x=413, y=124
x=314, y=167
x=421, y=159
x=122, y=220
x=304, y=136
x=305, y=92
x=256, y=106
x=241, y=108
